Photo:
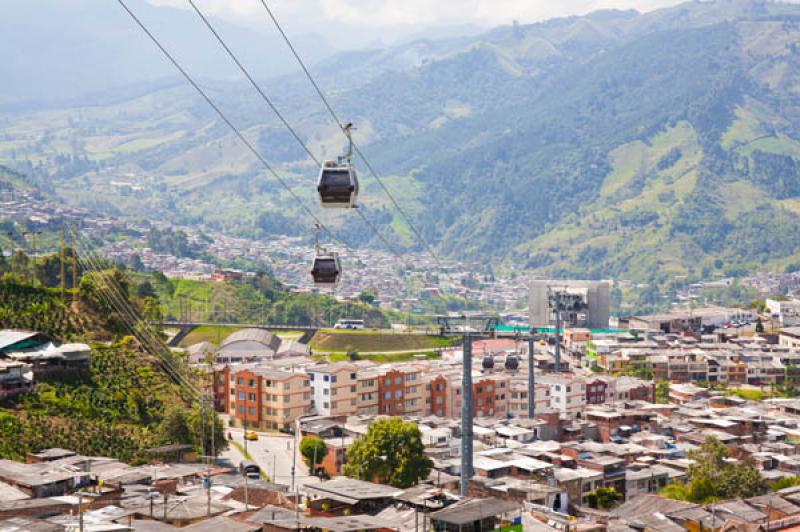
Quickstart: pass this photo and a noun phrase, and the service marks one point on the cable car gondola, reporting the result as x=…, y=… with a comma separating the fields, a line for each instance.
x=327, y=268
x=338, y=183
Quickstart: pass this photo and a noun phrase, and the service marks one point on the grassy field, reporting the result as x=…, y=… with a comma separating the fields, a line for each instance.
x=382, y=358
x=330, y=341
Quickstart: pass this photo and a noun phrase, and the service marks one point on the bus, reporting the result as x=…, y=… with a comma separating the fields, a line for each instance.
x=349, y=324
x=249, y=469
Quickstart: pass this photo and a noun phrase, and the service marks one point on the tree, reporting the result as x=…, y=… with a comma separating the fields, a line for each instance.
x=145, y=289
x=20, y=264
x=174, y=427
x=662, y=392
x=391, y=452
x=712, y=477
x=313, y=450
x=603, y=498
x=199, y=425
x=759, y=325
x=367, y=297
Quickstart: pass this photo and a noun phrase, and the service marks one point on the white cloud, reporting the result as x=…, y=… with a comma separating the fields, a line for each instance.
x=389, y=13
x=369, y=22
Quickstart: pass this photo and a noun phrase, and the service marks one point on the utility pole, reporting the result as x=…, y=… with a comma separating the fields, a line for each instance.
x=63, y=267
x=74, y=275
x=555, y=301
x=466, y=415
x=531, y=382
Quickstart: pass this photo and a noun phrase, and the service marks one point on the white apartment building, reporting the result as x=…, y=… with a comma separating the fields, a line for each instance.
x=567, y=394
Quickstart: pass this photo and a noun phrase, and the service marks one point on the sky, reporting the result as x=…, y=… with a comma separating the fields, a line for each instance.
x=388, y=20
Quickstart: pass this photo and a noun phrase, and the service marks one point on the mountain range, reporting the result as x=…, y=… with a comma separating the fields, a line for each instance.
x=616, y=144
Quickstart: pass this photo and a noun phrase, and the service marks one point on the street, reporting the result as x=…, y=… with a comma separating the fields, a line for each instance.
x=272, y=452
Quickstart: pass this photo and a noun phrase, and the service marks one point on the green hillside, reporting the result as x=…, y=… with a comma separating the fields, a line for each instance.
x=640, y=146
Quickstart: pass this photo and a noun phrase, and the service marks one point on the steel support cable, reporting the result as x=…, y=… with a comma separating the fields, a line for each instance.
x=277, y=112
x=339, y=123
x=116, y=300
x=166, y=364
x=113, y=303
x=230, y=124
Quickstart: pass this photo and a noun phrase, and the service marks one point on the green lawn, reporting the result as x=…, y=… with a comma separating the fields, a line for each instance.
x=382, y=358
x=333, y=341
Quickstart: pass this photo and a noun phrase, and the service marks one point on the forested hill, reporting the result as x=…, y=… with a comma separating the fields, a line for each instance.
x=621, y=144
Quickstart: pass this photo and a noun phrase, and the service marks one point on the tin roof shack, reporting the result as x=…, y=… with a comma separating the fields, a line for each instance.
x=46, y=479
x=14, y=340
x=333, y=497
x=15, y=378
x=353, y=523
x=468, y=515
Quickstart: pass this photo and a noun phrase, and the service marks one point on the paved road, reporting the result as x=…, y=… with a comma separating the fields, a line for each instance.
x=273, y=454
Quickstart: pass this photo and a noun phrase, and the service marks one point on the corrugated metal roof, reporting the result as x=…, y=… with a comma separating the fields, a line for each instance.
x=9, y=337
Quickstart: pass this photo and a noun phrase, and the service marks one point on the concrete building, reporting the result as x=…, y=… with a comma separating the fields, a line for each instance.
x=334, y=389
x=567, y=393
x=585, y=303
x=263, y=397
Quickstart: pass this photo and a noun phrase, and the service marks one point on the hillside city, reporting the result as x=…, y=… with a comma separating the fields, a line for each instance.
x=372, y=266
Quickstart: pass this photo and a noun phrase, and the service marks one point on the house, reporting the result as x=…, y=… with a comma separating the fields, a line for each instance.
x=15, y=378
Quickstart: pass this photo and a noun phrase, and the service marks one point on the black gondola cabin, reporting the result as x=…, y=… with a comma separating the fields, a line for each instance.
x=337, y=185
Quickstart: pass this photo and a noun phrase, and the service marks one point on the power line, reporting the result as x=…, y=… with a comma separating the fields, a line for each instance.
x=227, y=121
x=339, y=123
x=112, y=295
x=275, y=110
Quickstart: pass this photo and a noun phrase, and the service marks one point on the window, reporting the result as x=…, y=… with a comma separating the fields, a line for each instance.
x=240, y=381
x=251, y=411
x=287, y=385
x=333, y=391
x=387, y=395
x=241, y=396
x=398, y=394
x=285, y=398
x=387, y=382
x=333, y=378
x=398, y=380
x=326, y=378
x=310, y=376
x=353, y=389
x=439, y=400
x=325, y=391
x=233, y=392
x=352, y=376
x=251, y=396
x=325, y=405
x=352, y=402
x=251, y=383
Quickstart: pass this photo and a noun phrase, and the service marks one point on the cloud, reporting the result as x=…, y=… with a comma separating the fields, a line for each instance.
x=391, y=13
